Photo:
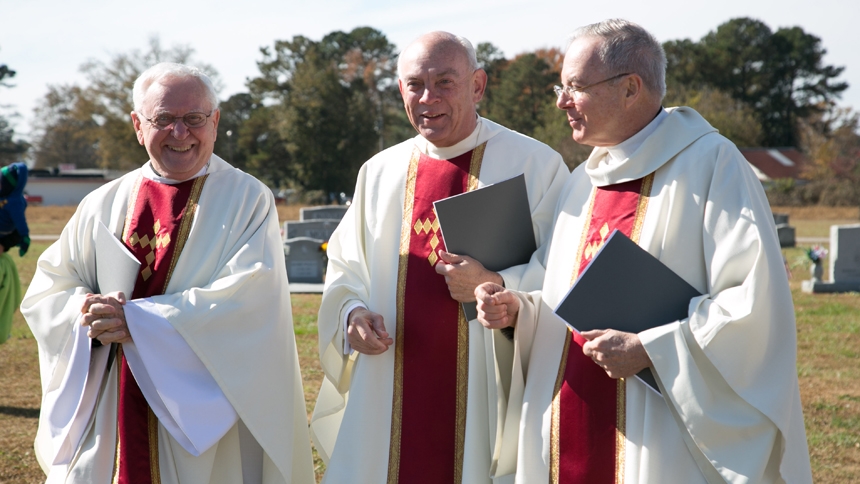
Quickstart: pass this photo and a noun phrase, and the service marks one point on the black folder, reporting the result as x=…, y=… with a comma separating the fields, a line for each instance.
x=627, y=289
x=492, y=225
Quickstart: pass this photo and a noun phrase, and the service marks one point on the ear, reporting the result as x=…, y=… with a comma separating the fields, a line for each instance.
x=400, y=86
x=479, y=85
x=633, y=89
x=135, y=120
x=216, y=116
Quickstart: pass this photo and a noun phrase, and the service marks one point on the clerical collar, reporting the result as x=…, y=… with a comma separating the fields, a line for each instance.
x=623, y=150
x=469, y=143
x=150, y=173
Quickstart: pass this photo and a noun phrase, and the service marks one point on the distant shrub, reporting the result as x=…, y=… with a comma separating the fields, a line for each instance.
x=835, y=192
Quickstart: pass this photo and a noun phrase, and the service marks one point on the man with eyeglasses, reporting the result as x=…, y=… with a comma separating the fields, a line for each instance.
x=181, y=366
x=730, y=408
x=411, y=404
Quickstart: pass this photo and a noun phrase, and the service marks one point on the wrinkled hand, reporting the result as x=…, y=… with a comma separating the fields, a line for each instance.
x=620, y=354
x=366, y=332
x=463, y=274
x=497, y=307
x=105, y=316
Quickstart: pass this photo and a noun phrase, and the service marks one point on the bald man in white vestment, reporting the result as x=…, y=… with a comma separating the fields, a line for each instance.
x=412, y=402
x=730, y=408
x=162, y=316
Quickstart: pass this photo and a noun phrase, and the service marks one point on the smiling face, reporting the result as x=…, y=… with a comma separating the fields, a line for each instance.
x=596, y=115
x=176, y=152
x=440, y=89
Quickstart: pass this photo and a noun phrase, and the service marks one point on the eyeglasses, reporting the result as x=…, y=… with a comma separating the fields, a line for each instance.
x=576, y=92
x=190, y=120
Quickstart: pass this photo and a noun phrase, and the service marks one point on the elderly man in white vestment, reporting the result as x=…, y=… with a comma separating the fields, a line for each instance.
x=410, y=403
x=162, y=316
x=730, y=408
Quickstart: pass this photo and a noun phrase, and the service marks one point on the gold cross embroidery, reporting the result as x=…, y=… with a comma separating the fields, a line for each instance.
x=593, y=247
x=156, y=242
x=427, y=226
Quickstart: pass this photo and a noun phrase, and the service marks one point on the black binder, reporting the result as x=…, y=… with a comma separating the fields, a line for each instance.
x=493, y=225
x=627, y=289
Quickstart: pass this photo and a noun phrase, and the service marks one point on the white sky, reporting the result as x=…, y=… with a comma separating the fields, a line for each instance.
x=46, y=41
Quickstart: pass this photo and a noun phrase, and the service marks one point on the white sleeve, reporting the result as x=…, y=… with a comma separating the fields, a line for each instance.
x=180, y=390
x=347, y=349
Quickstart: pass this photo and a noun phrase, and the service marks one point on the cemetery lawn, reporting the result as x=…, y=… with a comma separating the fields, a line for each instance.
x=828, y=338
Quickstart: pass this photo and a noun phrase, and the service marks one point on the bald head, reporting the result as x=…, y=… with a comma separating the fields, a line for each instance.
x=439, y=42
x=440, y=83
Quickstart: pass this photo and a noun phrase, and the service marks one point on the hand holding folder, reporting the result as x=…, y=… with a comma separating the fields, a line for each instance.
x=627, y=289
x=493, y=225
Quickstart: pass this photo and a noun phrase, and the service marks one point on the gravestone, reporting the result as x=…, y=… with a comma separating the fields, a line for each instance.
x=305, y=260
x=314, y=229
x=784, y=232
x=844, y=261
x=845, y=253
x=328, y=212
x=780, y=219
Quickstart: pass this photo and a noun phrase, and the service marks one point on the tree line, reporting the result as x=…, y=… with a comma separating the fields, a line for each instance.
x=318, y=109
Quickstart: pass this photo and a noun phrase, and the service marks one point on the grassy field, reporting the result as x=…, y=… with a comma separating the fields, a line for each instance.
x=828, y=330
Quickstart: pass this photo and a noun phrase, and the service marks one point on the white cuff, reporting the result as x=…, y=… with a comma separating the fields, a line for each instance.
x=177, y=385
x=347, y=349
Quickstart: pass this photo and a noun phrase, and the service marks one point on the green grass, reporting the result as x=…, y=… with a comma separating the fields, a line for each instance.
x=828, y=365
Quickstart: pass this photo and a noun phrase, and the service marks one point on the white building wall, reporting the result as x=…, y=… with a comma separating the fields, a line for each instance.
x=62, y=191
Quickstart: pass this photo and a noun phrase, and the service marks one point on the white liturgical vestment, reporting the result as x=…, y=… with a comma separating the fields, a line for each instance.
x=730, y=407
x=352, y=421
x=215, y=355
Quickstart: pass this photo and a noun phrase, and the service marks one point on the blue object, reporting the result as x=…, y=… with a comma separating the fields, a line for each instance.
x=13, y=179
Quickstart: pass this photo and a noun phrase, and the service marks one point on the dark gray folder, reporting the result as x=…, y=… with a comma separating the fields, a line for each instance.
x=627, y=289
x=492, y=225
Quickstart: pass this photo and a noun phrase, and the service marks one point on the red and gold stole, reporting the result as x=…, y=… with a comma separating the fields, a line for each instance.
x=428, y=418
x=157, y=224
x=588, y=408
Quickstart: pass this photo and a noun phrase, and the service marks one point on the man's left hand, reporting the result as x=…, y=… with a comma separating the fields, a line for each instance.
x=620, y=354
x=463, y=274
x=105, y=316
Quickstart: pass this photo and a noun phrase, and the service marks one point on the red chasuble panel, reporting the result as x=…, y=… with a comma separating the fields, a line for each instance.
x=428, y=417
x=588, y=408
x=156, y=227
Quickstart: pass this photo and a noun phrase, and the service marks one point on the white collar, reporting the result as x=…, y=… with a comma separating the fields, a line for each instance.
x=150, y=173
x=446, y=153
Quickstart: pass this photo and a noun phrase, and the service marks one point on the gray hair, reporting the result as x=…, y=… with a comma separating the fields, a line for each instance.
x=170, y=70
x=468, y=48
x=627, y=47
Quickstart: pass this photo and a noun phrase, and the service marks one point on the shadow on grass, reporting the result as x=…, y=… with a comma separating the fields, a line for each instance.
x=20, y=412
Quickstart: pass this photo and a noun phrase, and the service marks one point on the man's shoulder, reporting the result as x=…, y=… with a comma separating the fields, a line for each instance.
x=398, y=151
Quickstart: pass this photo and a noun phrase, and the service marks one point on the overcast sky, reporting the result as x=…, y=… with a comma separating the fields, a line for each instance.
x=46, y=41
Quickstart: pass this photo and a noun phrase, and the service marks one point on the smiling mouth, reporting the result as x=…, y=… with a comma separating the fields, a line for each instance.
x=179, y=149
x=432, y=116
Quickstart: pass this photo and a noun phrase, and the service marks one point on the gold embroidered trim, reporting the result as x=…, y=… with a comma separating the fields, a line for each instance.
x=397, y=393
x=185, y=225
x=475, y=166
x=463, y=343
x=644, y=196
x=621, y=392
x=584, y=238
x=132, y=201
x=620, y=429
x=118, y=361
x=556, y=411
x=462, y=392
x=154, y=471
